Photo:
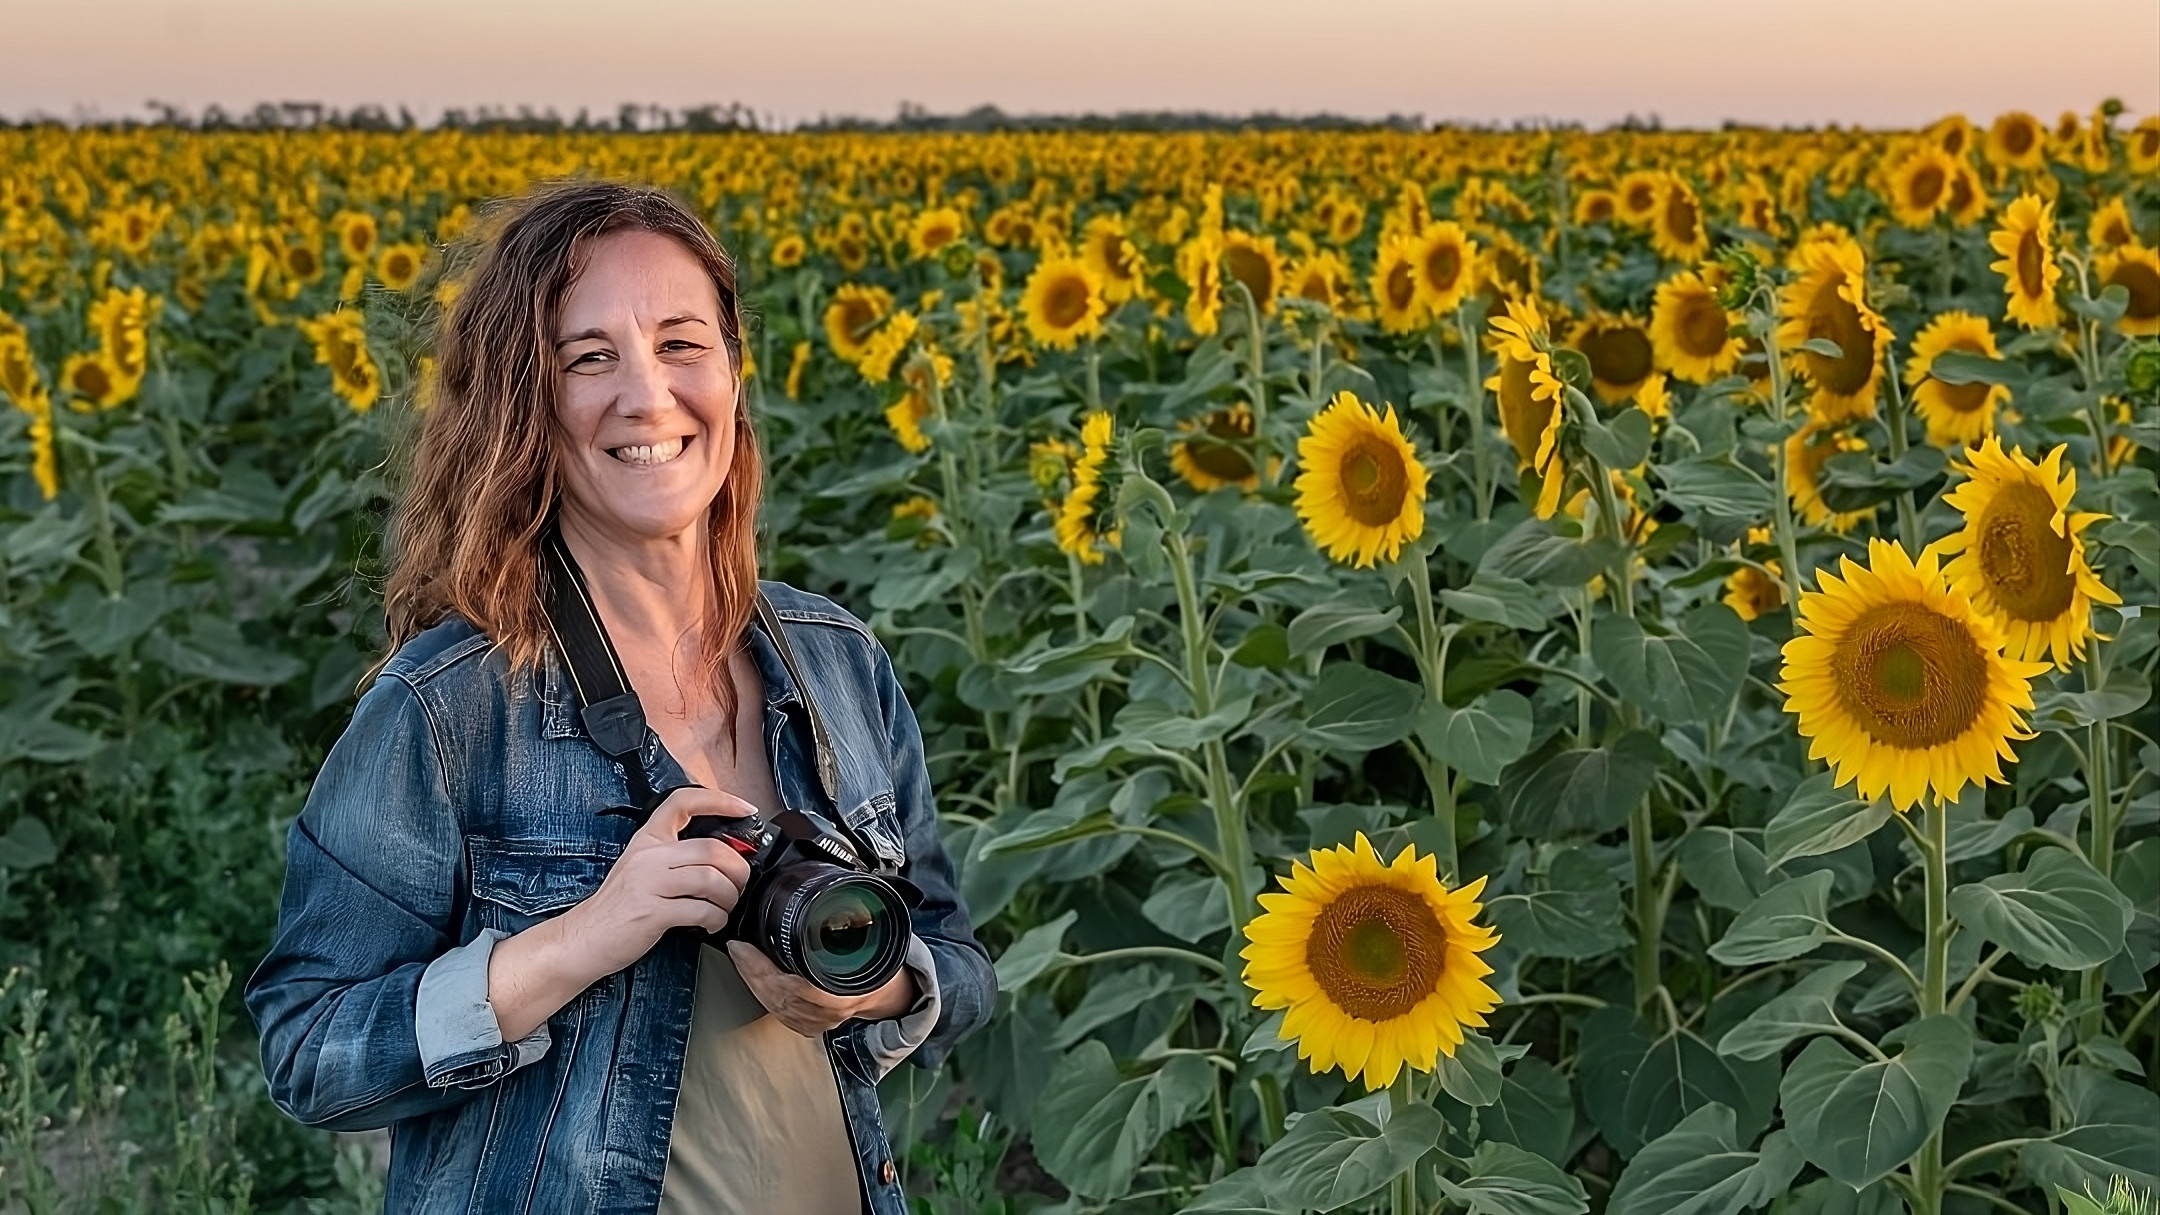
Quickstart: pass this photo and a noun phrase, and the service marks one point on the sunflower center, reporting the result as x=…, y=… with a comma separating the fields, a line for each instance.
x=1640, y=197
x=1927, y=187
x=1598, y=210
x=1065, y=304
x=1377, y=952
x=2029, y=264
x=1373, y=482
x=2027, y=566
x=1702, y=327
x=2143, y=284
x=1966, y=398
x=1620, y=356
x=1442, y=267
x=1248, y=266
x=1911, y=677
x=1219, y=460
x=1401, y=286
x=1681, y=218
x=856, y=316
x=1831, y=315
x=2018, y=138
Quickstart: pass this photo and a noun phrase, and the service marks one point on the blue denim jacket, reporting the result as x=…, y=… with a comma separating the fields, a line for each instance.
x=460, y=807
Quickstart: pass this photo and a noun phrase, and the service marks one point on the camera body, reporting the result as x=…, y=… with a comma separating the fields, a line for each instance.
x=812, y=905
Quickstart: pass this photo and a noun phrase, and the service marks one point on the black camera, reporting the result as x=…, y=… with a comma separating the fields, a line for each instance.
x=812, y=905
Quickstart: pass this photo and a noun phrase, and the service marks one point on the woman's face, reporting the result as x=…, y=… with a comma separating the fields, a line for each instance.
x=645, y=392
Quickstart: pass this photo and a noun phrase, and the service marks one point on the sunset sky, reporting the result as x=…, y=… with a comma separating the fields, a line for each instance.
x=1692, y=62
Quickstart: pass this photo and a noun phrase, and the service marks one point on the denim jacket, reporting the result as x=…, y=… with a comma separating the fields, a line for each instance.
x=460, y=807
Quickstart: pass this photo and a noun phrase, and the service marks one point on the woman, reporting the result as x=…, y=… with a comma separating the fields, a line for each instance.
x=469, y=951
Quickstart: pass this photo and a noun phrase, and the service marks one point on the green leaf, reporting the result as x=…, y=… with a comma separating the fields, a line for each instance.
x=1325, y=624
x=1806, y=1008
x=1858, y=1119
x=1534, y=552
x=1966, y=367
x=1855, y=480
x=1590, y=789
x=1266, y=644
x=1717, y=486
x=28, y=731
x=2057, y=912
x=1700, y=1168
x=27, y=845
x=1636, y=1086
x=1536, y=1111
x=1817, y=818
x=1472, y=1074
x=1497, y=600
x=1244, y=1192
x=212, y=648
x=1113, y=1126
x=1724, y=866
x=1033, y=953
x=1480, y=739
x=1621, y=443
x=1111, y=998
x=1332, y=1157
x=1690, y=676
x=1355, y=708
x=2114, y=1131
x=1573, y=911
x=1050, y=828
x=1824, y=347
x=1506, y=1180
x=1790, y=919
x=1190, y=907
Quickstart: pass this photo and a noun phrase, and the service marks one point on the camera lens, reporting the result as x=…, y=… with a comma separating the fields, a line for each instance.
x=845, y=931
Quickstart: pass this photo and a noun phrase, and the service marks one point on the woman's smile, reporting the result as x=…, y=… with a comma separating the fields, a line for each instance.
x=652, y=455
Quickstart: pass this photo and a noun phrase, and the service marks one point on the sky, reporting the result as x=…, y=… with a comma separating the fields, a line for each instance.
x=1689, y=62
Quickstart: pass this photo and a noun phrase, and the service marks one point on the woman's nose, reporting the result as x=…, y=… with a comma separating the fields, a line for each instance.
x=643, y=386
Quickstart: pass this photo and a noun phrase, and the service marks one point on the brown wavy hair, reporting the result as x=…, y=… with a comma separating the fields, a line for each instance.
x=484, y=482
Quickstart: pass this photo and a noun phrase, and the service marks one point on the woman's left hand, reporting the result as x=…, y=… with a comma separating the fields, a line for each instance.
x=808, y=1009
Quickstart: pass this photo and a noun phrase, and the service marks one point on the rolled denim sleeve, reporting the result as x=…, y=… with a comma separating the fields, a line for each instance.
x=965, y=988
x=890, y=1041
x=365, y=962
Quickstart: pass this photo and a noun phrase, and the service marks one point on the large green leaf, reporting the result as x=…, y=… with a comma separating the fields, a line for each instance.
x=1590, y=789
x=1858, y=1119
x=27, y=845
x=1480, y=739
x=1690, y=675
x=1325, y=624
x=1355, y=708
x=1638, y=1084
x=1092, y=1130
x=1724, y=866
x=1497, y=600
x=1033, y=953
x=1700, y=1167
x=1717, y=486
x=1807, y=1007
x=1534, y=552
x=1333, y=1156
x=2058, y=911
x=1817, y=818
x=1536, y=1110
x=1572, y=911
x=1506, y=1180
x=211, y=647
x=2114, y=1131
x=1790, y=919
x=1472, y=1074
x=1621, y=442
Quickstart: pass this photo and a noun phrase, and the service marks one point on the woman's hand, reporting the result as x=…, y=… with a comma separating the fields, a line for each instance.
x=808, y=1009
x=658, y=883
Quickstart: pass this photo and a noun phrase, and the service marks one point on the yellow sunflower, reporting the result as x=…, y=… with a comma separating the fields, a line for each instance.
x=2017, y=140
x=1529, y=393
x=2110, y=225
x=1829, y=300
x=399, y=266
x=1690, y=332
x=1324, y=278
x=2027, y=244
x=1113, y=257
x=798, y=363
x=2144, y=146
x=1920, y=186
x=1677, y=231
x=1952, y=134
x=1621, y=356
x=883, y=349
x=931, y=231
x=2019, y=558
x=1075, y=521
x=1062, y=302
x=121, y=321
x=906, y=417
x=1900, y=683
x=1214, y=453
x=1654, y=398
x=1254, y=261
x=340, y=340
x=1595, y=206
x=1395, y=286
x=94, y=379
x=1444, y=261
x=1376, y=965
x=1638, y=195
x=1806, y=451
x=356, y=235
x=1755, y=591
x=788, y=252
x=2136, y=269
x=855, y=311
x=1200, y=265
x=1956, y=414
x=1968, y=196
x=1361, y=488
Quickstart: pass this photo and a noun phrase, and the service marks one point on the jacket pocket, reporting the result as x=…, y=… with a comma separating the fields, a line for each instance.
x=520, y=882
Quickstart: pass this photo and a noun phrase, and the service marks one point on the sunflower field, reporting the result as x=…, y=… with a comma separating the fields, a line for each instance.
x=1499, y=672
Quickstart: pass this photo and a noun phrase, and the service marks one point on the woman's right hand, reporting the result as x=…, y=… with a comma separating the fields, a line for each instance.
x=659, y=882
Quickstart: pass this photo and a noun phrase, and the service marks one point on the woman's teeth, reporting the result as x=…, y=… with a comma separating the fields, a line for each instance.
x=646, y=455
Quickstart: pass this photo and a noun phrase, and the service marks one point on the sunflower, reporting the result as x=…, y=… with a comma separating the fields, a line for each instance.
x=121, y=322
x=798, y=363
x=1324, y=278
x=1529, y=393
x=1691, y=332
x=882, y=350
x=1444, y=260
x=93, y=378
x=1200, y=265
x=1254, y=261
x=1829, y=300
x=855, y=310
x=1621, y=356
x=1395, y=286
x=1376, y=965
x=1920, y=186
x=2019, y=557
x=1901, y=684
x=1755, y=591
x=356, y=235
x=2110, y=225
x=1063, y=302
x=399, y=266
x=1638, y=193
x=906, y=417
x=1957, y=414
x=1806, y=451
x=1968, y=196
x=1213, y=452
x=1361, y=487
x=2016, y=140
x=1596, y=207
x=1075, y=521
x=1653, y=398
x=2144, y=146
x=1677, y=231
x=2135, y=269
x=340, y=340
x=1759, y=207
x=931, y=231
x=1115, y=260
x=2027, y=244
x=788, y=252
x=1952, y=135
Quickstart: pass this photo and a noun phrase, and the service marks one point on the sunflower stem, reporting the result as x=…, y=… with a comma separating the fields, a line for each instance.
x=1934, y=842
x=2089, y=369
x=1402, y=1193
x=1272, y=1112
x=1432, y=664
x=1908, y=520
x=2099, y=783
x=1231, y=843
x=1474, y=399
x=1256, y=372
x=1787, y=530
x=1649, y=910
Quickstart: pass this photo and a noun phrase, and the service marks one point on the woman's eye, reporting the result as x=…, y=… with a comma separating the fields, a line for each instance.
x=588, y=358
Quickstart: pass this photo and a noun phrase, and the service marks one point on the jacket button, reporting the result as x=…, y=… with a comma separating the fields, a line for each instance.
x=886, y=1172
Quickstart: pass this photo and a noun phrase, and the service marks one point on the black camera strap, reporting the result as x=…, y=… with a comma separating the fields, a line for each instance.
x=615, y=719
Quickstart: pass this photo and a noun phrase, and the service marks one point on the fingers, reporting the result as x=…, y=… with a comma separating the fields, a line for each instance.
x=698, y=882
x=693, y=800
x=801, y=1005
